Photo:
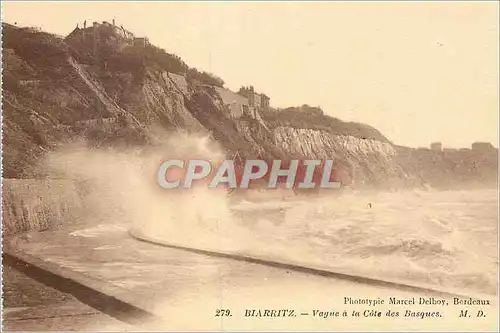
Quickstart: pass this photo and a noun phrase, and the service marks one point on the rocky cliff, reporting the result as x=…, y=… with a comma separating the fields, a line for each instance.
x=103, y=86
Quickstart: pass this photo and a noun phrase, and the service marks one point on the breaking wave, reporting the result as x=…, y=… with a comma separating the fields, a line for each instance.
x=443, y=239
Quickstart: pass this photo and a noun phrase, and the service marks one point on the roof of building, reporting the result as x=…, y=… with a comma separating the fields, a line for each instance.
x=229, y=97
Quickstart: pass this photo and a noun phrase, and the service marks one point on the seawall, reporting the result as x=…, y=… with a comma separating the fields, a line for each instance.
x=38, y=204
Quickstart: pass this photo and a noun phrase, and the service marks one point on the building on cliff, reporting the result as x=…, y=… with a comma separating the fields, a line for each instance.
x=437, y=146
x=90, y=37
x=482, y=146
x=238, y=104
x=258, y=101
x=141, y=41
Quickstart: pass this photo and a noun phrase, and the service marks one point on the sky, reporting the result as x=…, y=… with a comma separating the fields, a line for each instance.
x=418, y=71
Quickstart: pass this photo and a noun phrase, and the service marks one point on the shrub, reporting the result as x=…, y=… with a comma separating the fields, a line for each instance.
x=205, y=77
x=307, y=117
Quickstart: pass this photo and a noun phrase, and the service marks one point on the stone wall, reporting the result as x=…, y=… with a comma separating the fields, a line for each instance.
x=38, y=204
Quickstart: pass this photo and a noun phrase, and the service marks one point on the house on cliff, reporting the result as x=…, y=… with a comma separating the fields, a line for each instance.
x=257, y=101
x=238, y=104
x=482, y=146
x=90, y=36
x=141, y=41
x=437, y=146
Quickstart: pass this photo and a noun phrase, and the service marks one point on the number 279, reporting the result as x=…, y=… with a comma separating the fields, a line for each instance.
x=222, y=313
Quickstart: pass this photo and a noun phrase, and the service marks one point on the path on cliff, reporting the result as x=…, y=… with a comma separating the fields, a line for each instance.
x=103, y=97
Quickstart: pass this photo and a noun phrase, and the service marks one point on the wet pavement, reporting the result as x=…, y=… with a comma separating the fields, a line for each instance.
x=190, y=291
x=30, y=305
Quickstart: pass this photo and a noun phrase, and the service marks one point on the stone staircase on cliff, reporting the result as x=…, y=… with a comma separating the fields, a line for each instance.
x=103, y=97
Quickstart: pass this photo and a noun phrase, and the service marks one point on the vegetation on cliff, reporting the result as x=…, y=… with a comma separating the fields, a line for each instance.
x=314, y=118
x=112, y=89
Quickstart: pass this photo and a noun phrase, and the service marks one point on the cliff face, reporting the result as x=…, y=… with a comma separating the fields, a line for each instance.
x=56, y=90
x=373, y=163
x=362, y=161
x=451, y=169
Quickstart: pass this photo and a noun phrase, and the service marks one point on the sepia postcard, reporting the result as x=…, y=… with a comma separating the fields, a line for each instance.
x=250, y=166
